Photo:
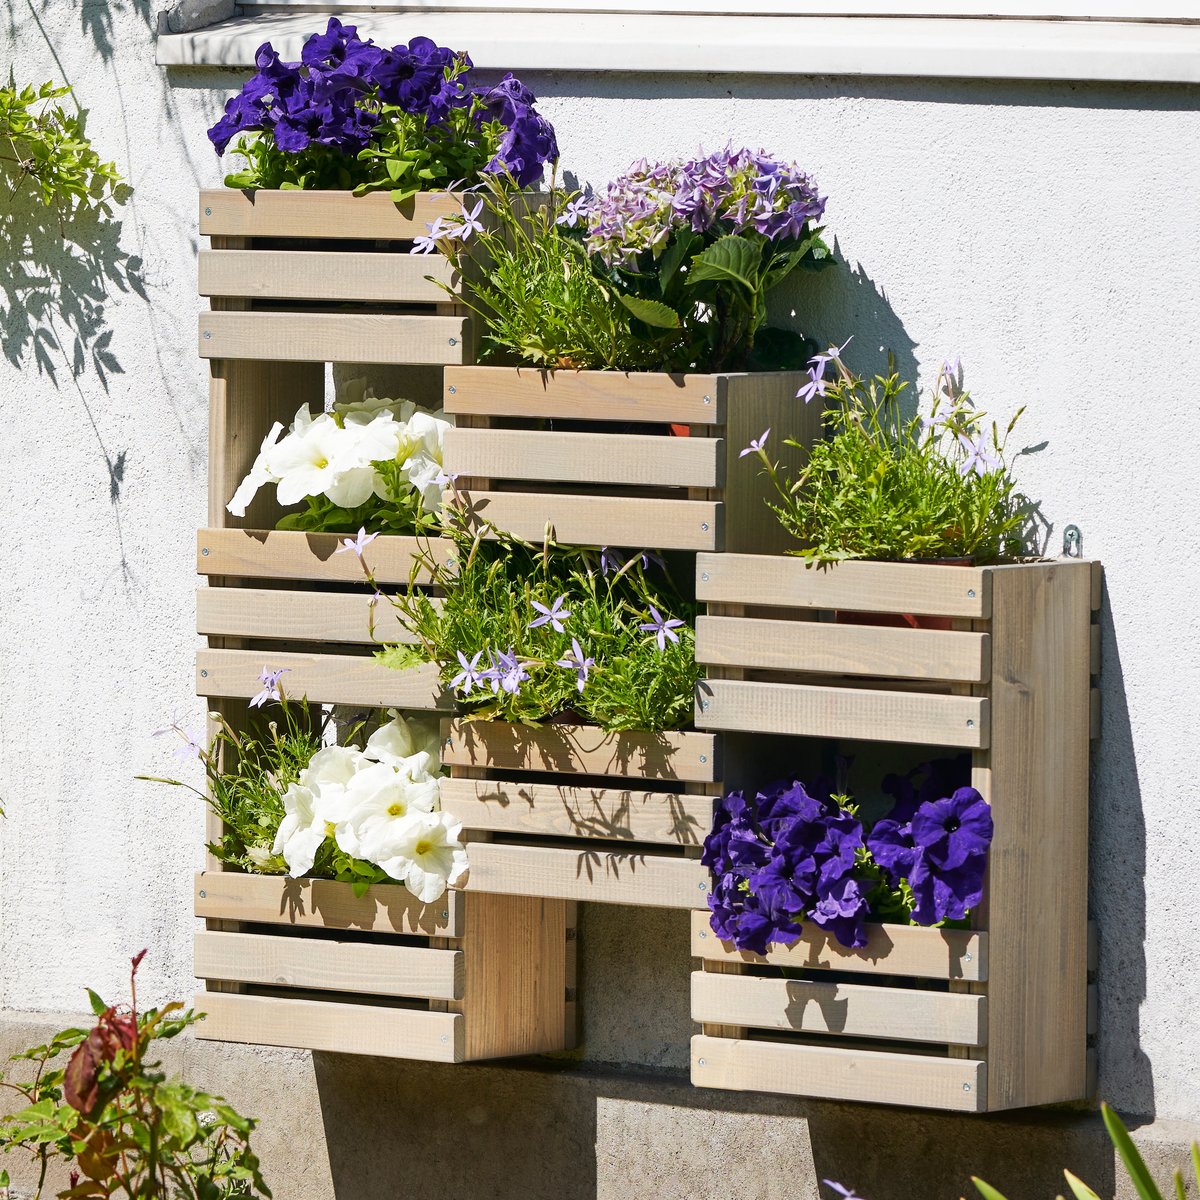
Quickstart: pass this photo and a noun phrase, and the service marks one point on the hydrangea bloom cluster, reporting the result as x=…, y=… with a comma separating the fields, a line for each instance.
x=727, y=192
x=336, y=96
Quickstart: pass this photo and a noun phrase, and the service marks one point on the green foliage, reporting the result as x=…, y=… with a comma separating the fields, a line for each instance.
x=51, y=149
x=488, y=609
x=881, y=488
x=401, y=514
x=115, y=1118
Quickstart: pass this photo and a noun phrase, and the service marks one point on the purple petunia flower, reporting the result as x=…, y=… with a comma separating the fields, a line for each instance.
x=953, y=829
x=946, y=895
x=661, y=628
x=576, y=662
x=841, y=908
x=270, y=681
x=892, y=847
x=555, y=615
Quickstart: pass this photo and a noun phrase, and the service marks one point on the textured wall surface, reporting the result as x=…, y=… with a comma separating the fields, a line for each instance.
x=1047, y=233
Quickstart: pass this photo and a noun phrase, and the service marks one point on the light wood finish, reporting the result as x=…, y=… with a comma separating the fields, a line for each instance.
x=833, y=712
x=1038, y=865
x=603, y=520
x=848, y=1009
x=333, y=966
x=843, y=649
x=582, y=749
x=324, y=1025
x=543, y=808
x=322, y=678
x=335, y=337
x=298, y=616
x=877, y=1077
x=890, y=950
x=333, y=214
x=515, y=964
x=855, y=586
x=326, y=275
x=325, y=904
x=602, y=458
x=587, y=874
x=284, y=554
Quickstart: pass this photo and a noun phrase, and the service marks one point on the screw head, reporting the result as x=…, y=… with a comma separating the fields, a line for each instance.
x=453, y=389
x=702, y=1062
x=704, y=526
x=703, y=934
x=203, y=894
x=704, y=887
x=445, y=1037
x=205, y=1017
x=453, y=342
x=971, y=593
x=966, y=1087
x=704, y=758
x=704, y=576
x=970, y=724
x=208, y=212
x=446, y=913
x=203, y=674
x=207, y=335
x=966, y=958
x=707, y=399
x=704, y=704
x=449, y=741
x=205, y=551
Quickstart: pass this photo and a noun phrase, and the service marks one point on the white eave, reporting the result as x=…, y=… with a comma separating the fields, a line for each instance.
x=1162, y=51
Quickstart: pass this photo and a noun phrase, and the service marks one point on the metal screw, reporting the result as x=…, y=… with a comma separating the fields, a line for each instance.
x=453, y=342
x=704, y=576
x=205, y=551
x=704, y=704
x=446, y=1038
x=204, y=674
x=704, y=526
x=207, y=335
x=208, y=212
x=205, y=1017
x=446, y=913
x=966, y=1086
x=703, y=934
x=966, y=958
x=203, y=894
x=704, y=887
x=1072, y=542
x=970, y=724
x=449, y=741
x=453, y=389
x=971, y=593
x=704, y=758
x=707, y=399
x=702, y=1062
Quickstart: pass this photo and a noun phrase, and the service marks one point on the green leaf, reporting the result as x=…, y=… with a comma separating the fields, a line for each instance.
x=359, y=888
x=729, y=258
x=1145, y=1185
x=673, y=256
x=780, y=350
x=986, y=1190
x=98, y=1005
x=1081, y=1189
x=653, y=312
x=396, y=168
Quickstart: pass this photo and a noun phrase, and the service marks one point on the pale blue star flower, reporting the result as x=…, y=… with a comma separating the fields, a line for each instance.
x=469, y=677
x=661, y=628
x=357, y=544
x=576, y=662
x=756, y=446
x=978, y=459
x=270, y=681
x=555, y=615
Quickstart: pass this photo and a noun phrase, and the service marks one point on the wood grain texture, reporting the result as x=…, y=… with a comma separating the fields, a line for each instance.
x=323, y=678
x=325, y=904
x=1037, y=868
x=843, y=649
x=334, y=337
x=602, y=458
x=877, y=1077
x=582, y=749
x=603, y=520
x=849, y=1009
x=284, y=554
x=325, y=275
x=325, y=1025
x=786, y=582
x=587, y=874
x=878, y=716
x=515, y=964
x=333, y=214
x=890, y=950
x=332, y=966
x=297, y=616
x=670, y=818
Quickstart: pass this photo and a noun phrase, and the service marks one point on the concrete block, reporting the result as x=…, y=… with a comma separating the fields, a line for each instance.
x=186, y=15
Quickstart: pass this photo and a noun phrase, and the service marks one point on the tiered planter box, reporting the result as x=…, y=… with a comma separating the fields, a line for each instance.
x=598, y=456
x=985, y=1020
x=297, y=280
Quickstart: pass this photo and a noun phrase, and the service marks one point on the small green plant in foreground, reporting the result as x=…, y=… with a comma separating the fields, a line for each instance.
x=119, y=1124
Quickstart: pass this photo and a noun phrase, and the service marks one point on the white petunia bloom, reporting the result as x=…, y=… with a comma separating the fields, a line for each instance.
x=380, y=802
x=424, y=463
x=330, y=771
x=427, y=856
x=308, y=461
x=309, y=820
x=408, y=745
x=259, y=475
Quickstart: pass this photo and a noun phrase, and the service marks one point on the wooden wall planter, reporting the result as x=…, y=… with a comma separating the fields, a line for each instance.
x=570, y=812
x=525, y=461
x=1010, y=680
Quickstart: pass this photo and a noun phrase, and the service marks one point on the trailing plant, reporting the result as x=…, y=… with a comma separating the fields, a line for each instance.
x=355, y=115
x=119, y=1124
x=291, y=804
x=530, y=633
x=51, y=149
x=880, y=487
x=792, y=853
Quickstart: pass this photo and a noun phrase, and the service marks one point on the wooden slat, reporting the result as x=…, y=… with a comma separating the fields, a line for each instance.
x=324, y=904
x=266, y=213
x=330, y=966
x=541, y=808
x=874, y=716
x=324, y=1025
x=607, y=458
x=334, y=337
x=832, y=1073
x=843, y=649
x=849, y=1009
x=582, y=749
x=586, y=874
x=604, y=520
x=786, y=582
x=649, y=396
x=283, y=554
x=890, y=950
x=323, y=678
x=297, y=616
x=327, y=275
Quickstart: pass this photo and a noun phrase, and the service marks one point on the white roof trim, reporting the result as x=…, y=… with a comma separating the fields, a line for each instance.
x=784, y=45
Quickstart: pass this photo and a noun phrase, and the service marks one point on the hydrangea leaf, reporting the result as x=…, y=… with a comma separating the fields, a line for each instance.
x=652, y=312
x=729, y=258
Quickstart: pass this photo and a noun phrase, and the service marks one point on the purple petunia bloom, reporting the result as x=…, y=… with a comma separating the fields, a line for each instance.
x=892, y=847
x=953, y=829
x=576, y=662
x=526, y=145
x=661, y=628
x=946, y=895
x=841, y=908
x=555, y=615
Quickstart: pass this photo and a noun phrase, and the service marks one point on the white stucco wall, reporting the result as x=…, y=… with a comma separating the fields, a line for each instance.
x=1047, y=233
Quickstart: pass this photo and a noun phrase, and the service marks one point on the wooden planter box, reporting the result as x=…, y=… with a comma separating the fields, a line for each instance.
x=525, y=461
x=1011, y=681
x=570, y=812
x=303, y=962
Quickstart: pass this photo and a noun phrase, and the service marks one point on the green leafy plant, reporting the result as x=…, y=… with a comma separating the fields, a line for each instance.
x=1143, y=1183
x=50, y=149
x=527, y=633
x=879, y=487
x=115, y=1119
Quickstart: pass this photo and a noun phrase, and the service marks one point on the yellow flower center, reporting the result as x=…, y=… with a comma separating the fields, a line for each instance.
x=424, y=847
x=330, y=828
x=396, y=810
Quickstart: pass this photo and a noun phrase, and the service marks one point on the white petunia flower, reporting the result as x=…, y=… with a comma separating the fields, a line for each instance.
x=409, y=745
x=259, y=474
x=424, y=463
x=330, y=770
x=309, y=820
x=380, y=803
x=308, y=461
x=427, y=856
